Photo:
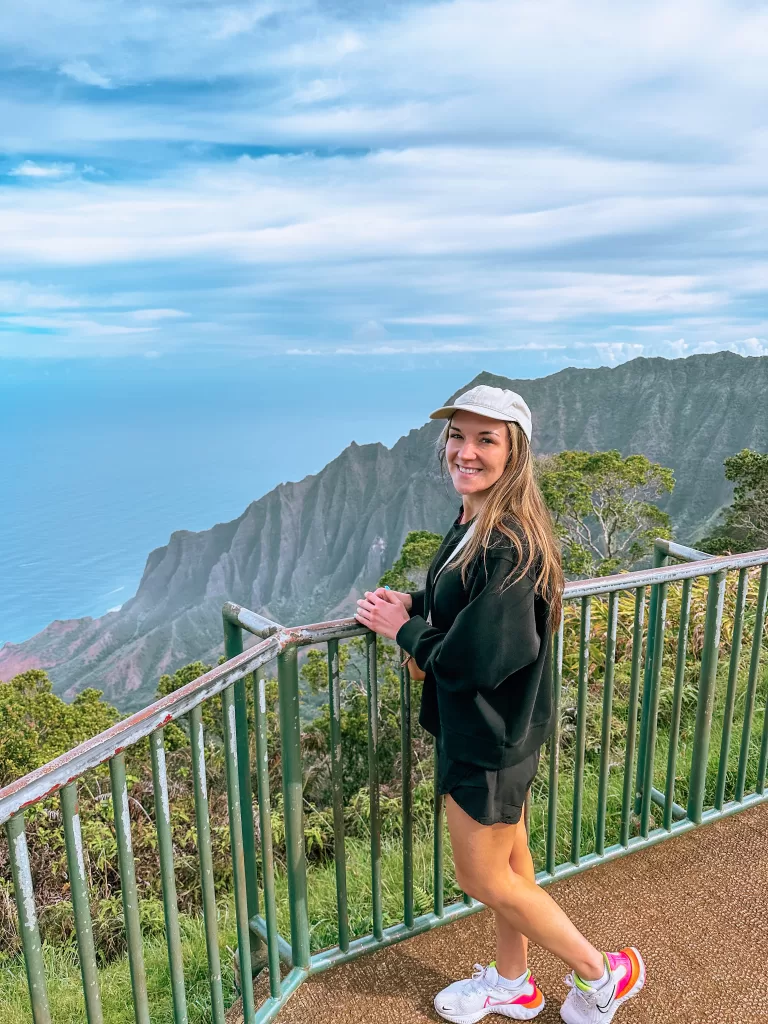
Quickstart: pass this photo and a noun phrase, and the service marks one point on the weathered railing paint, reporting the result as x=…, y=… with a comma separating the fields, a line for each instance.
x=581, y=727
x=337, y=785
x=277, y=642
x=28, y=927
x=205, y=855
x=165, y=850
x=78, y=884
x=605, y=739
x=129, y=890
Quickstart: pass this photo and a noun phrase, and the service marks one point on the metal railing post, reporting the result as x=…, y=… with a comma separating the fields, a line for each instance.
x=581, y=728
x=556, y=661
x=233, y=645
x=265, y=824
x=167, y=875
x=659, y=559
x=730, y=696
x=205, y=856
x=749, y=697
x=78, y=886
x=677, y=704
x=713, y=623
x=407, y=793
x=28, y=928
x=651, y=710
x=234, y=806
x=372, y=687
x=605, y=737
x=337, y=789
x=128, y=889
x=627, y=801
x=293, y=798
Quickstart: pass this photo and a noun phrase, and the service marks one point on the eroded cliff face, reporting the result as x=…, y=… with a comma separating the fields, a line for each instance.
x=306, y=551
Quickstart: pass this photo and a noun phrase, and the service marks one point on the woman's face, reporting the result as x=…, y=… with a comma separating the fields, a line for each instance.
x=476, y=451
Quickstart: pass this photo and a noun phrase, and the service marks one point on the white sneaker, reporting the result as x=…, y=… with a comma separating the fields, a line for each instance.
x=465, y=1002
x=626, y=976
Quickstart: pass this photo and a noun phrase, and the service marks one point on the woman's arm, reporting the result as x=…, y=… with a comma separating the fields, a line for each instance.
x=492, y=637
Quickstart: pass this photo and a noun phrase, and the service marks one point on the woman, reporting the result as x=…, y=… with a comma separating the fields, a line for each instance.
x=492, y=596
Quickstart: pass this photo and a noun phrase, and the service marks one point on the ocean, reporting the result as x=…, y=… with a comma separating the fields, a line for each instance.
x=101, y=460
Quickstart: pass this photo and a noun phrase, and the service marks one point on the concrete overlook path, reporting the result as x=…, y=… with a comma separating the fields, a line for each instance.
x=696, y=906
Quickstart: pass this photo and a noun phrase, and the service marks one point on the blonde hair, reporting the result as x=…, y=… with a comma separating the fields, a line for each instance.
x=517, y=510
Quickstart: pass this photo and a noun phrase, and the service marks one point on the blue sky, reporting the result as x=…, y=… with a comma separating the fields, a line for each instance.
x=576, y=184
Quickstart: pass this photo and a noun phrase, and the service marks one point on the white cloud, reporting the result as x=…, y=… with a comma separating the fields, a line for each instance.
x=587, y=179
x=71, y=325
x=615, y=352
x=412, y=348
x=434, y=320
x=30, y=169
x=158, y=314
x=236, y=21
x=742, y=347
x=653, y=77
x=302, y=209
x=318, y=91
x=18, y=296
x=551, y=297
x=81, y=71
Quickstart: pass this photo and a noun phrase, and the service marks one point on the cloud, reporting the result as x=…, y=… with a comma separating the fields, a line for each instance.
x=411, y=348
x=742, y=347
x=16, y=296
x=655, y=79
x=71, y=325
x=29, y=169
x=158, y=314
x=434, y=320
x=416, y=178
x=81, y=71
x=236, y=21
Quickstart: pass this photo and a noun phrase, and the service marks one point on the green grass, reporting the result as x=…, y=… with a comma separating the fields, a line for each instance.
x=65, y=987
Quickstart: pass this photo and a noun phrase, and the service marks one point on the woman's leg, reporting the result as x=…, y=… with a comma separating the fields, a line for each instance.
x=481, y=856
x=511, y=944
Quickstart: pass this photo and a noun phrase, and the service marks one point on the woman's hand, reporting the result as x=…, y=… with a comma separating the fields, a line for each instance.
x=383, y=611
x=406, y=599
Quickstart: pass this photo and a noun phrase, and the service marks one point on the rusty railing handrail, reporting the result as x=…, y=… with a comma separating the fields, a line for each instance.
x=50, y=778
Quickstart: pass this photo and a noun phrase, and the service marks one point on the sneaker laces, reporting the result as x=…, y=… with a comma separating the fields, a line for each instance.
x=477, y=981
x=570, y=981
x=480, y=980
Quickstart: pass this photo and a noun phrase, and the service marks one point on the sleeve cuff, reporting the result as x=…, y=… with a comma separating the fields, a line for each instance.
x=411, y=632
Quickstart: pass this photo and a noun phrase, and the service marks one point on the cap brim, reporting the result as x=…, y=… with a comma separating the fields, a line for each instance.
x=448, y=410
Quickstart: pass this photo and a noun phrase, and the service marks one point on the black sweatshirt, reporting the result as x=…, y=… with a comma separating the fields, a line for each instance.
x=488, y=686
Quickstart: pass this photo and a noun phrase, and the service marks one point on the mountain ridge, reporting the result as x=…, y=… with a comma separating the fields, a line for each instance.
x=307, y=549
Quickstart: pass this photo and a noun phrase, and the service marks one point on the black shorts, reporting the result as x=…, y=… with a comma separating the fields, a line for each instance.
x=487, y=796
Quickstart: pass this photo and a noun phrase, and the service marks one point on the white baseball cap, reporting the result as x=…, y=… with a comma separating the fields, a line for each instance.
x=496, y=403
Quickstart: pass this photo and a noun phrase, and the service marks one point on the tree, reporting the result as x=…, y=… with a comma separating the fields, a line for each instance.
x=419, y=548
x=603, y=508
x=743, y=525
x=36, y=725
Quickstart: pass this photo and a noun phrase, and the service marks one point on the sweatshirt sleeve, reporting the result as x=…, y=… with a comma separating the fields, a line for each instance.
x=491, y=638
x=417, y=607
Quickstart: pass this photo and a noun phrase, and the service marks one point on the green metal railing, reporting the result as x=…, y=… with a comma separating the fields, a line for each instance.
x=259, y=940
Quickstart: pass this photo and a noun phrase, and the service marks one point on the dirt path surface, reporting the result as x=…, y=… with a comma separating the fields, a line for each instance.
x=696, y=906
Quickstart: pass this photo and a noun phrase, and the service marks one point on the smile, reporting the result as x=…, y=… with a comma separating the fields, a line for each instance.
x=468, y=472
